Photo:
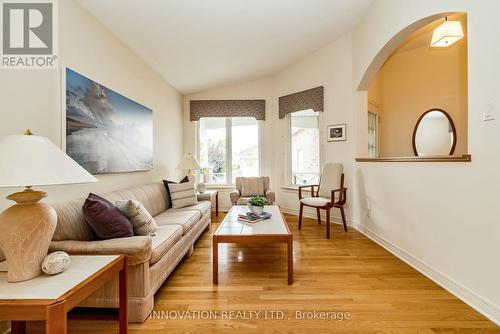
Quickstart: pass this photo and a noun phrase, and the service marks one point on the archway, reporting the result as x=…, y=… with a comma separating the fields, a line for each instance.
x=393, y=44
x=409, y=76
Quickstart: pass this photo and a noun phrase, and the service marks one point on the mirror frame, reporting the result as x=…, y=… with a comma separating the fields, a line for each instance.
x=454, y=144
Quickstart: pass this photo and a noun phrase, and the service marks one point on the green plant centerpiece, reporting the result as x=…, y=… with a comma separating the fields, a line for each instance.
x=256, y=204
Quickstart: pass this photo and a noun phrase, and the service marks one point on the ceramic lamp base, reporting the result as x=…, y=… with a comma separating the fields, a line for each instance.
x=27, y=229
x=201, y=187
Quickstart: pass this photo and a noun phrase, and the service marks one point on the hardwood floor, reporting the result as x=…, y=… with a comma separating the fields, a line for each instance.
x=345, y=274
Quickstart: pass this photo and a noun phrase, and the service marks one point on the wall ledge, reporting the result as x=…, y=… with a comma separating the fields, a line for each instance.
x=462, y=158
x=293, y=188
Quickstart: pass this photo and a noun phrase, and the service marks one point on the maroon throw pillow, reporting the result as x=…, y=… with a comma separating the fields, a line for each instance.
x=105, y=219
x=166, y=182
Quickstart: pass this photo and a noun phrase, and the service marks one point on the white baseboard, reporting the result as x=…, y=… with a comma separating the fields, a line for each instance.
x=477, y=302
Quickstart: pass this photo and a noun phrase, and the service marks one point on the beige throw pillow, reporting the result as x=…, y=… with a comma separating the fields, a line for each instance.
x=251, y=186
x=141, y=219
x=182, y=194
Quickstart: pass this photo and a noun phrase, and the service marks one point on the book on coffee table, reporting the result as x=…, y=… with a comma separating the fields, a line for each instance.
x=251, y=217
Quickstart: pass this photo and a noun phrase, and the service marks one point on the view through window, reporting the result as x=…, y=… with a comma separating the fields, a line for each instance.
x=304, y=147
x=372, y=135
x=228, y=147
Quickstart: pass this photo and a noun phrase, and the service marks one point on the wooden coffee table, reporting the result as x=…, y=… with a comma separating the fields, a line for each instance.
x=50, y=298
x=273, y=230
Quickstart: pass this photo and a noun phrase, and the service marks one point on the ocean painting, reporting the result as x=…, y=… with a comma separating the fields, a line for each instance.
x=105, y=131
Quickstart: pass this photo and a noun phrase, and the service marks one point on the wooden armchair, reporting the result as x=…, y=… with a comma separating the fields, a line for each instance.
x=330, y=193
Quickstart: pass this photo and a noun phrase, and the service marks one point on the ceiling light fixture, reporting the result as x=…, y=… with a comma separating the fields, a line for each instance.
x=447, y=33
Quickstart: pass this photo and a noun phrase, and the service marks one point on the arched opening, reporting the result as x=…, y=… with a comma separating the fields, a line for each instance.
x=423, y=67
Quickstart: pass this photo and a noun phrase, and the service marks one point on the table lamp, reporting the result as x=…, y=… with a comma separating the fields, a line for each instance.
x=190, y=163
x=28, y=226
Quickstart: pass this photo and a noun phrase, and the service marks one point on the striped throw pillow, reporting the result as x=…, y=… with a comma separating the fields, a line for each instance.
x=142, y=221
x=182, y=194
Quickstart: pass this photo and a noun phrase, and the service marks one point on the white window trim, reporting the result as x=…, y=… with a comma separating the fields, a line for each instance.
x=288, y=184
x=229, y=155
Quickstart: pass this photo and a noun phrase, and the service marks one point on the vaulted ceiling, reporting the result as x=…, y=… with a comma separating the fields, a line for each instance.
x=199, y=44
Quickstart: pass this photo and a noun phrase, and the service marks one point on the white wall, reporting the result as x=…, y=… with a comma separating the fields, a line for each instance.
x=329, y=67
x=31, y=99
x=442, y=217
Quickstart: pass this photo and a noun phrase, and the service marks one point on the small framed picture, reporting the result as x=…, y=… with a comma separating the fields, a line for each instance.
x=336, y=132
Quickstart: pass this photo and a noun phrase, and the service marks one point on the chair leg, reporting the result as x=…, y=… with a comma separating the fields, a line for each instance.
x=343, y=218
x=328, y=223
x=300, y=215
x=318, y=213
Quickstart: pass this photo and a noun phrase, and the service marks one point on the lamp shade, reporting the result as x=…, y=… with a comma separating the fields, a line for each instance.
x=189, y=162
x=447, y=33
x=29, y=160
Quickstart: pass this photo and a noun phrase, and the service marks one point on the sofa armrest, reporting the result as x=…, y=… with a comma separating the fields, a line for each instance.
x=271, y=197
x=137, y=249
x=234, y=195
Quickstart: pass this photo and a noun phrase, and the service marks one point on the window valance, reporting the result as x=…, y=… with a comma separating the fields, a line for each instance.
x=307, y=99
x=227, y=108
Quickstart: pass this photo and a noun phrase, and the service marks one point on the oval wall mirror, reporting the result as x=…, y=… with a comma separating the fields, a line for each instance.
x=434, y=134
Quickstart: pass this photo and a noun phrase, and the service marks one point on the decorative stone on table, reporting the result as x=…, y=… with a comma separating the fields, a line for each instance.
x=55, y=263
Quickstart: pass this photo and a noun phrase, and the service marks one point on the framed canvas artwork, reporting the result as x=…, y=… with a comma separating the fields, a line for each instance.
x=336, y=132
x=106, y=132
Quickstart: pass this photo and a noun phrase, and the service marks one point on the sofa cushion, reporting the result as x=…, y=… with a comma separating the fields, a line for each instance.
x=105, y=219
x=182, y=194
x=152, y=196
x=187, y=219
x=166, y=183
x=204, y=207
x=140, y=218
x=165, y=238
x=137, y=249
x=71, y=223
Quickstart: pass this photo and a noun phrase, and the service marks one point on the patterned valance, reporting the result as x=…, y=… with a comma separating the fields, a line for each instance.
x=307, y=99
x=227, y=108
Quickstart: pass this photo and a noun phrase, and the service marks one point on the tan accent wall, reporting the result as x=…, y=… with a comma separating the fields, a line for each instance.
x=417, y=78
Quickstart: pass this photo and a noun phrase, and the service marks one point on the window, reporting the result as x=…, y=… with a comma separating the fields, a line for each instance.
x=245, y=147
x=212, y=148
x=304, y=147
x=229, y=147
x=372, y=135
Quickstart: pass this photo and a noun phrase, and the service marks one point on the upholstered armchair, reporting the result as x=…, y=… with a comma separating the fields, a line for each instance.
x=247, y=187
x=330, y=193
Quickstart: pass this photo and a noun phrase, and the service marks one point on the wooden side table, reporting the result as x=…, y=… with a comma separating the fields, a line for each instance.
x=50, y=298
x=270, y=231
x=210, y=195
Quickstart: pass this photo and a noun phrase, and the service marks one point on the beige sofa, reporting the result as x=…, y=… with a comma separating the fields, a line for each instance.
x=150, y=259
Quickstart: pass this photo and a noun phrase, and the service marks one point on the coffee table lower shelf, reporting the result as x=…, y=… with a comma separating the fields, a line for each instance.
x=252, y=239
